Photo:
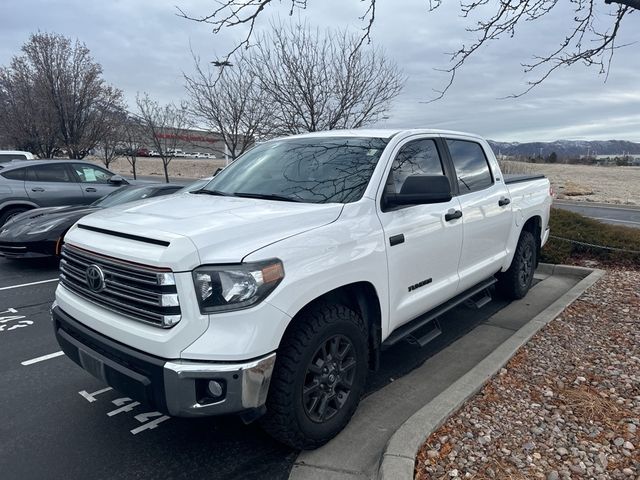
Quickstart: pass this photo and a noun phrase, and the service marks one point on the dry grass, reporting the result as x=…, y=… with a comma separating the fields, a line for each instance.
x=591, y=406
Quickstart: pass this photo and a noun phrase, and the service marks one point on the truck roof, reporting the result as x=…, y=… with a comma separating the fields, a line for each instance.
x=380, y=133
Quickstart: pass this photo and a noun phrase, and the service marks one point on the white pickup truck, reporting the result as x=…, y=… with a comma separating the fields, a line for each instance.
x=272, y=290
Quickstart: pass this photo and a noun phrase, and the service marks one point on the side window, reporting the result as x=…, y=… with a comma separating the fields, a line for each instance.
x=7, y=157
x=57, y=172
x=418, y=157
x=472, y=168
x=17, y=174
x=90, y=174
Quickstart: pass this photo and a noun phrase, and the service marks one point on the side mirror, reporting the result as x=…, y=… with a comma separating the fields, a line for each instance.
x=421, y=189
x=117, y=180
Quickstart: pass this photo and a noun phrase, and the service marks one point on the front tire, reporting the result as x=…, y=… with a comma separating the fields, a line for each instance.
x=319, y=377
x=517, y=280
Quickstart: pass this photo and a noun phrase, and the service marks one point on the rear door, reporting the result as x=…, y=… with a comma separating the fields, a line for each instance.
x=423, y=249
x=94, y=181
x=53, y=184
x=485, y=216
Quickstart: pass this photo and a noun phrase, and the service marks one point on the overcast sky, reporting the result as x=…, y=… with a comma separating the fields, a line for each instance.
x=144, y=46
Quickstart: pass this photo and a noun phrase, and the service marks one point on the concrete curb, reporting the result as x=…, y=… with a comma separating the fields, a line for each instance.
x=398, y=459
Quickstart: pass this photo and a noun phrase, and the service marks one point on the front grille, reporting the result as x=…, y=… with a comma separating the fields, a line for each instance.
x=143, y=293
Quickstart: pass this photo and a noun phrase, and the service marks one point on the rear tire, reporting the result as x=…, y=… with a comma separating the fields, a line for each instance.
x=10, y=212
x=516, y=281
x=319, y=377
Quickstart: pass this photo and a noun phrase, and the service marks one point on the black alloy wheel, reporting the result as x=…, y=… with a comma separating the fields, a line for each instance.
x=329, y=378
x=526, y=267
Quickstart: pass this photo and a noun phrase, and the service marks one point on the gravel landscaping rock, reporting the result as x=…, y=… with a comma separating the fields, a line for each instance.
x=567, y=405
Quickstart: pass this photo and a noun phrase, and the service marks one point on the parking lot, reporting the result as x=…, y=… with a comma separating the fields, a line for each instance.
x=59, y=422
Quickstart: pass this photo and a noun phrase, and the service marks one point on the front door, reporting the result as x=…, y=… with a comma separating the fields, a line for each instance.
x=423, y=249
x=94, y=181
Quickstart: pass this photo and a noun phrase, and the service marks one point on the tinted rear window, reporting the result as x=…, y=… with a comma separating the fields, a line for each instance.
x=17, y=174
x=7, y=157
x=471, y=165
x=57, y=172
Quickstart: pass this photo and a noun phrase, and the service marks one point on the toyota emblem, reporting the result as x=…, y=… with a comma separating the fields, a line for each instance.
x=95, y=278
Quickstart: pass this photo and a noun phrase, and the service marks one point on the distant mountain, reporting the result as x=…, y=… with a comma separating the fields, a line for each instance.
x=566, y=148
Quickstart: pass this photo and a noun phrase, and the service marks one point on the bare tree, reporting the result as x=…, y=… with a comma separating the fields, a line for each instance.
x=163, y=126
x=66, y=84
x=27, y=121
x=322, y=80
x=111, y=141
x=133, y=140
x=590, y=37
x=230, y=103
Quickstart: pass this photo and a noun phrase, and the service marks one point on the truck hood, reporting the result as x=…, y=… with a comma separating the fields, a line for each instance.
x=222, y=229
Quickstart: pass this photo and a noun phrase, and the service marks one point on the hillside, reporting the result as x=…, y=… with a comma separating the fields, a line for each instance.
x=567, y=148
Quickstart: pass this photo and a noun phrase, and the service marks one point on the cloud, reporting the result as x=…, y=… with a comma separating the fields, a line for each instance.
x=144, y=46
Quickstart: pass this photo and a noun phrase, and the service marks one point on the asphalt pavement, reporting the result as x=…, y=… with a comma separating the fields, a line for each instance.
x=628, y=216
x=60, y=422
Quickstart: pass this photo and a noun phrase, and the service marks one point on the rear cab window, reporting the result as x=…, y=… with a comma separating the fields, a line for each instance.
x=471, y=165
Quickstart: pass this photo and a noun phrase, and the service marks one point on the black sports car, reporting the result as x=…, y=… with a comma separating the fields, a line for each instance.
x=40, y=231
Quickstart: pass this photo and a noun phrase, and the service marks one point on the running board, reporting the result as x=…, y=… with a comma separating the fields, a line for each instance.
x=480, y=300
x=408, y=330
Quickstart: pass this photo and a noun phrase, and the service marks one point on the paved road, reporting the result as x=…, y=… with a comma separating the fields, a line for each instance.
x=59, y=422
x=627, y=216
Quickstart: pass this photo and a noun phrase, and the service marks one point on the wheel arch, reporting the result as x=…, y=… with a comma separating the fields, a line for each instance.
x=16, y=204
x=534, y=225
x=361, y=297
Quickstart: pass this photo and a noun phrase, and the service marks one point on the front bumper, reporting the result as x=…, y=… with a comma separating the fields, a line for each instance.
x=176, y=387
x=35, y=249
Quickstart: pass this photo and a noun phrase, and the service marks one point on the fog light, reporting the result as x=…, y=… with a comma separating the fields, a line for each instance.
x=215, y=388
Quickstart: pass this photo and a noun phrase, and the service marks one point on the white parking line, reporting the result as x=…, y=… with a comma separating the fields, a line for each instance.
x=29, y=284
x=42, y=358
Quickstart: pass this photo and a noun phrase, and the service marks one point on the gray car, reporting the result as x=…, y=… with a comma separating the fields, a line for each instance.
x=30, y=184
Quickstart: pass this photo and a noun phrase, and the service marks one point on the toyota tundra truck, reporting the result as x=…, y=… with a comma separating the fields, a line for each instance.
x=271, y=291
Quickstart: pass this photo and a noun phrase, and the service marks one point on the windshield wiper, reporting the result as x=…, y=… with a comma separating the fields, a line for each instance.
x=213, y=192
x=267, y=196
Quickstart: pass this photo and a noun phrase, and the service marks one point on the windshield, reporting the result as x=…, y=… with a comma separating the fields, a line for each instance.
x=315, y=170
x=123, y=195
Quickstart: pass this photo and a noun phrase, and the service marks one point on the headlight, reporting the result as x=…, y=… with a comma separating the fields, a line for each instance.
x=46, y=226
x=232, y=287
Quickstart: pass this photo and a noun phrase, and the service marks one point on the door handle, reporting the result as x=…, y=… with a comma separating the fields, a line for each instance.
x=37, y=189
x=504, y=201
x=90, y=189
x=452, y=215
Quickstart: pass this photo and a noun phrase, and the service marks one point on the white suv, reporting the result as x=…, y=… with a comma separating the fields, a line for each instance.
x=9, y=155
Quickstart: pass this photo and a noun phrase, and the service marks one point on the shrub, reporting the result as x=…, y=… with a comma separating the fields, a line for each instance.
x=576, y=227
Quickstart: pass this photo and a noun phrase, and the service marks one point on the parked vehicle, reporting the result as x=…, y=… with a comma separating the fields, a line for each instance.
x=177, y=153
x=39, y=232
x=9, y=155
x=271, y=291
x=50, y=183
